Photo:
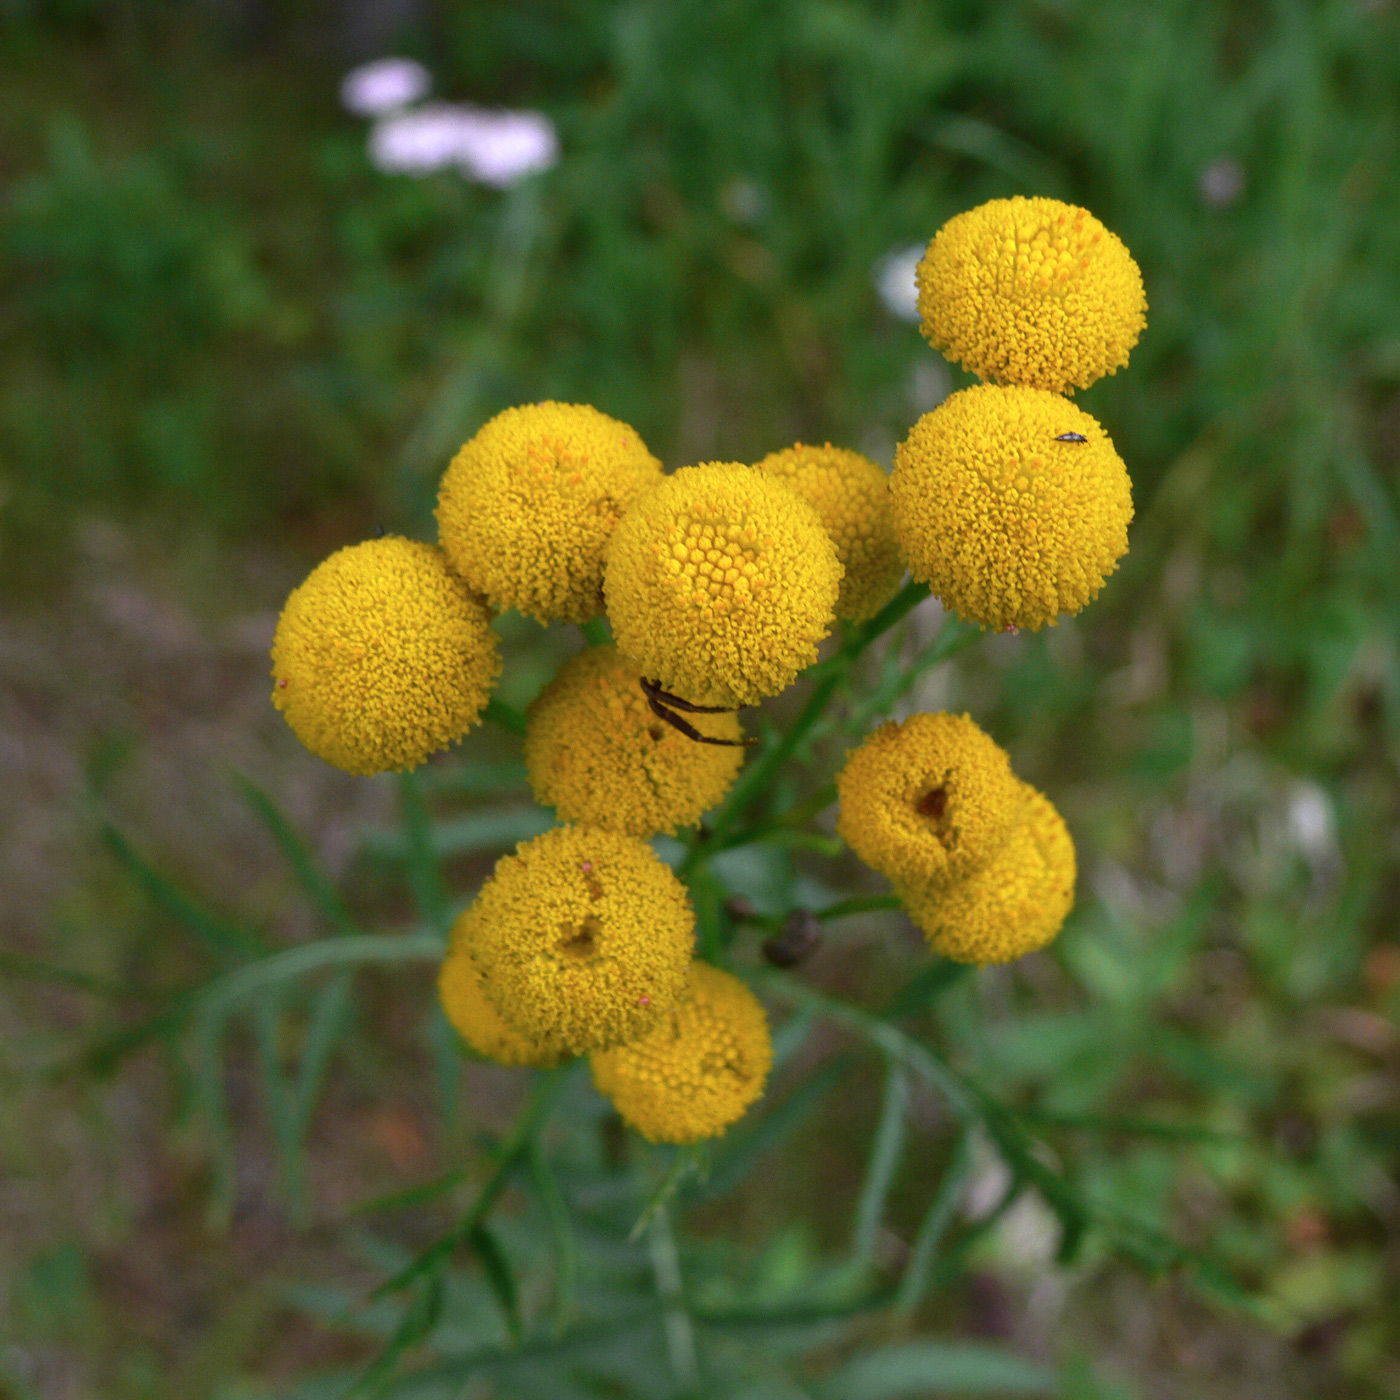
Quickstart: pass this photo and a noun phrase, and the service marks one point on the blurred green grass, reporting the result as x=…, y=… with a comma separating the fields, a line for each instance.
x=216, y=317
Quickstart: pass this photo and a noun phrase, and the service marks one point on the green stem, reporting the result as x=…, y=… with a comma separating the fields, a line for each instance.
x=507, y=716
x=934, y=1226
x=513, y=1150
x=758, y=777
x=342, y=951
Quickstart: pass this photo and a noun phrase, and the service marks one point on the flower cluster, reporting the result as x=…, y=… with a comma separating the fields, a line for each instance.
x=719, y=581
x=1009, y=502
x=982, y=861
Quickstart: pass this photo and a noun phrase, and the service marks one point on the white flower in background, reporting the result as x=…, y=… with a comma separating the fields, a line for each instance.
x=894, y=280
x=499, y=148
x=495, y=148
x=386, y=85
x=419, y=141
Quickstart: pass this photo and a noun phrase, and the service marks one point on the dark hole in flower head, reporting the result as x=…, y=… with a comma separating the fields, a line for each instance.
x=656, y=733
x=933, y=803
x=579, y=941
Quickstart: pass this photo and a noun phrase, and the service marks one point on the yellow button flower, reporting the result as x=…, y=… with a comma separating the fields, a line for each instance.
x=1011, y=504
x=699, y=1070
x=1031, y=292
x=584, y=938
x=1015, y=904
x=927, y=801
x=526, y=507
x=720, y=583
x=471, y=1013
x=383, y=656
x=597, y=753
x=852, y=497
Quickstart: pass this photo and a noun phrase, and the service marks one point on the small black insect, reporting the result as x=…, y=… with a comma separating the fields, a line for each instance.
x=664, y=706
x=1071, y=437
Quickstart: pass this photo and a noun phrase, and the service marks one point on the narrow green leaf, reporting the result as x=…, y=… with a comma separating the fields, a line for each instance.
x=930, y=980
x=266, y=1017
x=413, y=1196
x=530, y=1120
x=494, y=829
x=561, y=1234
x=227, y=941
x=424, y=874
x=885, y=1154
x=507, y=716
x=862, y=904
x=914, y=1284
x=341, y=952
x=331, y=1012
x=298, y=855
x=29, y=969
x=420, y=1318
x=738, y=1154
x=687, y=1160
x=499, y=1278
x=213, y=1104
x=469, y=776
x=923, y=1369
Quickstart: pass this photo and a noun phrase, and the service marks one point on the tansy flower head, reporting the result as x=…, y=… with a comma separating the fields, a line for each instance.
x=1031, y=292
x=1011, y=504
x=720, y=583
x=927, y=801
x=1015, y=904
x=583, y=937
x=699, y=1070
x=471, y=1013
x=527, y=506
x=382, y=656
x=852, y=497
x=597, y=753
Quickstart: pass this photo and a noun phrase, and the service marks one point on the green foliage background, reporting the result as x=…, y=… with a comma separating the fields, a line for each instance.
x=217, y=322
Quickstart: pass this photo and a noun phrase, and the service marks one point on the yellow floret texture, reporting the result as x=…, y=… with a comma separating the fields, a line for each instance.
x=527, y=506
x=852, y=496
x=699, y=1070
x=1007, y=525
x=1031, y=292
x=383, y=656
x=474, y=1017
x=596, y=752
x=927, y=801
x=720, y=583
x=1015, y=904
x=583, y=938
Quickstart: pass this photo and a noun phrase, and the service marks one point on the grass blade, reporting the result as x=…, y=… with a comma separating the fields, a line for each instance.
x=885, y=1154
x=499, y=1277
x=561, y=1233
x=227, y=941
x=914, y=1284
x=298, y=855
